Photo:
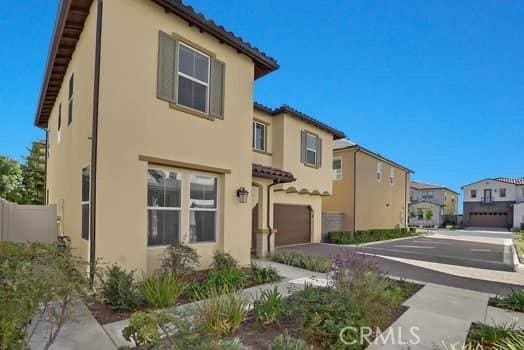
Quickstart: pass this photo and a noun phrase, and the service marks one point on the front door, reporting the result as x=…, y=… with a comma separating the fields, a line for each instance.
x=487, y=196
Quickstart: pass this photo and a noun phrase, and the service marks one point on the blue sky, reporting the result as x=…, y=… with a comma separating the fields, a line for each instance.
x=437, y=86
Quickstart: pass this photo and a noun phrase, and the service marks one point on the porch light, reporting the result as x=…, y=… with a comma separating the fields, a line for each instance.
x=242, y=195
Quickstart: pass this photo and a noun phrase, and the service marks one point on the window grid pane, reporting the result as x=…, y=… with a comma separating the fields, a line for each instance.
x=203, y=206
x=163, y=227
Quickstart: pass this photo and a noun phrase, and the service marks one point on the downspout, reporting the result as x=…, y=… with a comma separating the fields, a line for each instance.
x=406, y=212
x=94, y=144
x=275, y=182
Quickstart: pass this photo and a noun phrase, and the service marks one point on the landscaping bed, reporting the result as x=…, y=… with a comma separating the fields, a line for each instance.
x=359, y=237
x=497, y=337
x=358, y=295
x=518, y=242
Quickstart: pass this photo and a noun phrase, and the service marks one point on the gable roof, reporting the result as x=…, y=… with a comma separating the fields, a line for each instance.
x=508, y=180
x=342, y=145
x=299, y=115
x=425, y=186
x=69, y=24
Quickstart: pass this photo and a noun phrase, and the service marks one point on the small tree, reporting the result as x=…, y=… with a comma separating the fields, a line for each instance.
x=428, y=214
x=10, y=179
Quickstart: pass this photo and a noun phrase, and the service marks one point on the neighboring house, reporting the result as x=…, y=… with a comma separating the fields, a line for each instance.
x=369, y=191
x=441, y=201
x=153, y=138
x=494, y=202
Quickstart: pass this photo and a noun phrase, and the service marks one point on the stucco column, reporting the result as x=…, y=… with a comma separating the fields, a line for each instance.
x=262, y=229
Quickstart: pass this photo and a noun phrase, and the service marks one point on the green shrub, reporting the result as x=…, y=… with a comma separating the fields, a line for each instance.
x=285, y=342
x=514, y=301
x=346, y=237
x=230, y=278
x=260, y=275
x=222, y=314
x=118, y=289
x=308, y=262
x=323, y=313
x=180, y=259
x=268, y=307
x=143, y=329
x=513, y=342
x=162, y=289
x=489, y=335
x=223, y=261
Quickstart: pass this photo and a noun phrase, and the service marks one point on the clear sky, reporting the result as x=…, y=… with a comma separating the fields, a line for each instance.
x=437, y=86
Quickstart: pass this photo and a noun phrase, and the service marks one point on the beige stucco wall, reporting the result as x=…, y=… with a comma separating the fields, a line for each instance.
x=379, y=204
x=67, y=158
x=435, y=220
x=134, y=122
x=265, y=158
x=450, y=202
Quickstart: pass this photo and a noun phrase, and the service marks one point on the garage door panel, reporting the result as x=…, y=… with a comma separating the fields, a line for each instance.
x=486, y=219
x=293, y=224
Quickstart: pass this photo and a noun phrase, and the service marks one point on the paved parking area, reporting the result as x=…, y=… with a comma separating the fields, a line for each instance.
x=447, y=251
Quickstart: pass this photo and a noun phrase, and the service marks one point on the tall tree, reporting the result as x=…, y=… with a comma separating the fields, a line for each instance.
x=33, y=174
x=10, y=180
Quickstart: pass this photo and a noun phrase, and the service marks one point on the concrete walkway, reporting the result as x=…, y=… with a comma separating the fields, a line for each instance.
x=439, y=315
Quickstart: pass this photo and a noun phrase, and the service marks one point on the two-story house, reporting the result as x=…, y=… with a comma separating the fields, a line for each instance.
x=494, y=202
x=153, y=138
x=369, y=190
x=441, y=201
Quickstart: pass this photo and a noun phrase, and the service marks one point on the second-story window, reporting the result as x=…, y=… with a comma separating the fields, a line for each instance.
x=502, y=192
x=379, y=171
x=473, y=194
x=70, y=100
x=337, y=168
x=58, y=134
x=392, y=175
x=193, y=78
x=259, y=136
x=85, y=203
x=311, y=149
x=427, y=195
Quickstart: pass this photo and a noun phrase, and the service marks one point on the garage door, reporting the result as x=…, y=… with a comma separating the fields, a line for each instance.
x=482, y=219
x=293, y=224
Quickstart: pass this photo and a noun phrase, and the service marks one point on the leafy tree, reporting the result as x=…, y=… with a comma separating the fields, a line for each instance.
x=428, y=214
x=10, y=179
x=33, y=175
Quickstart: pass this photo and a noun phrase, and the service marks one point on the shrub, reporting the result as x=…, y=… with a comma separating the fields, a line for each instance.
x=489, y=335
x=143, y=329
x=346, y=237
x=513, y=342
x=323, y=313
x=162, y=290
x=268, y=307
x=260, y=275
x=118, y=289
x=220, y=314
x=230, y=278
x=180, y=259
x=514, y=301
x=223, y=261
x=308, y=262
x=285, y=342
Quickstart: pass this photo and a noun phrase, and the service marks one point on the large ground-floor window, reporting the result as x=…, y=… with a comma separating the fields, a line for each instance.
x=173, y=213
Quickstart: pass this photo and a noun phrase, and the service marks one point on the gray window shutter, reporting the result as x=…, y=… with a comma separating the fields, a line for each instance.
x=302, y=146
x=319, y=152
x=216, y=93
x=166, y=68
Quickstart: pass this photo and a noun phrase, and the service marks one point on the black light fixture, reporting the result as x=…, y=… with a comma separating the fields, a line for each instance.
x=242, y=194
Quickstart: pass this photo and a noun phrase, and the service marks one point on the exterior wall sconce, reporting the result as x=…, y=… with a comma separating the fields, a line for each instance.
x=242, y=194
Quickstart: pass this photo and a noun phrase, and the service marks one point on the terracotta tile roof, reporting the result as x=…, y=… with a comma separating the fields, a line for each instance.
x=302, y=116
x=511, y=180
x=272, y=173
x=425, y=186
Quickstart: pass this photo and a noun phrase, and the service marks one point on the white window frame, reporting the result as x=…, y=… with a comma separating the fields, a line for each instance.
x=502, y=190
x=379, y=171
x=88, y=203
x=471, y=192
x=264, y=136
x=311, y=149
x=337, y=173
x=179, y=209
x=179, y=73
x=216, y=210
x=392, y=176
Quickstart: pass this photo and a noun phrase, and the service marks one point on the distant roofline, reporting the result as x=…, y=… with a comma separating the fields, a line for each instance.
x=498, y=179
x=296, y=113
x=432, y=187
x=374, y=154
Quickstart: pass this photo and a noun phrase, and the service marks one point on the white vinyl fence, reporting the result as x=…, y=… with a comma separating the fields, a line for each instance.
x=21, y=223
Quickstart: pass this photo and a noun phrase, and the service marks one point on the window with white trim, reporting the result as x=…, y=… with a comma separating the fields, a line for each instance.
x=164, y=203
x=337, y=168
x=502, y=193
x=193, y=78
x=259, y=136
x=392, y=176
x=427, y=194
x=203, y=209
x=59, y=126
x=84, y=204
x=473, y=194
x=379, y=171
x=311, y=149
x=70, y=100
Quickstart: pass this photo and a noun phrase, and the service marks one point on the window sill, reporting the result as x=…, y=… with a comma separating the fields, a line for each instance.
x=202, y=243
x=191, y=111
x=262, y=152
x=311, y=166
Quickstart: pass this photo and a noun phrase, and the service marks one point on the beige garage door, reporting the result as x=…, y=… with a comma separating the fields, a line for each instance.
x=293, y=223
x=483, y=219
